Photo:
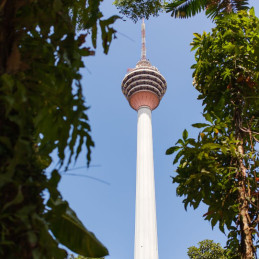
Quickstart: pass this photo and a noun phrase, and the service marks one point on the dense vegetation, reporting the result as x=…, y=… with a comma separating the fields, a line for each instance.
x=207, y=249
x=41, y=110
x=220, y=167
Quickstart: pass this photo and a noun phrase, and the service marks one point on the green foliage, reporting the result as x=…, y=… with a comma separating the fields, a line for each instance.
x=186, y=8
x=178, y=8
x=139, y=9
x=220, y=167
x=189, y=8
x=41, y=110
x=207, y=249
x=65, y=225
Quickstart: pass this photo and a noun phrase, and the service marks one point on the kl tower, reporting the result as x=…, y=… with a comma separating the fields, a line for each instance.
x=144, y=87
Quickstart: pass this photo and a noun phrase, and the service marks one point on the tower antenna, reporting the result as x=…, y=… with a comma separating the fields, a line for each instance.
x=143, y=36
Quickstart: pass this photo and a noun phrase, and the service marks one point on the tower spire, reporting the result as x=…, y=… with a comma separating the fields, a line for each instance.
x=143, y=36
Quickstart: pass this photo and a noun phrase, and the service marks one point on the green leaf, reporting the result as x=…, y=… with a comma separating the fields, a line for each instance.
x=224, y=150
x=48, y=242
x=177, y=157
x=185, y=134
x=94, y=35
x=208, y=117
x=229, y=47
x=171, y=150
x=200, y=125
x=197, y=35
x=214, y=221
x=211, y=146
x=70, y=231
x=200, y=155
x=18, y=199
x=191, y=141
x=180, y=141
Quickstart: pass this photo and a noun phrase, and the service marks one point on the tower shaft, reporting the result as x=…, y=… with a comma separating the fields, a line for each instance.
x=146, y=246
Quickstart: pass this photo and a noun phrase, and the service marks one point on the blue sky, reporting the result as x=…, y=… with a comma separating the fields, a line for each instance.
x=107, y=207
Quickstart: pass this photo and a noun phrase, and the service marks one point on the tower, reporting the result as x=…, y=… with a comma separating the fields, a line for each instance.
x=144, y=87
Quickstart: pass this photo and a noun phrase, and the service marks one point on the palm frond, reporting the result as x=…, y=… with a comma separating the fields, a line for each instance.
x=188, y=8
x=185, y=8
x=217, y=7
x=241, y=5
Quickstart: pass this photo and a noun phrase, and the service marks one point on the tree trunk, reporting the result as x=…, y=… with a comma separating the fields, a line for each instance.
x=247, y=248
x=7, y=33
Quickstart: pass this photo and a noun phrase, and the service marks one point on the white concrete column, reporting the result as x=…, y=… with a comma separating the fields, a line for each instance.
x=146, y=246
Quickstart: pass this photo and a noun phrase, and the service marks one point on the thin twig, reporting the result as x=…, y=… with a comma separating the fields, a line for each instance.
x=90, y=177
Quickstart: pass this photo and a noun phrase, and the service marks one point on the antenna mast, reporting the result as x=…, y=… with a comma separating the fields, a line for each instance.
x=143, y=36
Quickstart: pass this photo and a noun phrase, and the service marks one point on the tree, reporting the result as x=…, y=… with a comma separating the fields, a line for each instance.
x=178, y=8
x=41, y=110
x=220, y=167
x=139, y=9
x=207, y=249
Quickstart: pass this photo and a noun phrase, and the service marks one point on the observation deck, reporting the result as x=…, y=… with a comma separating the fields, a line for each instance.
x=143, y=85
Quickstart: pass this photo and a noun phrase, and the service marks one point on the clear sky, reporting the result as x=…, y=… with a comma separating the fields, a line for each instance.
x=107, y=207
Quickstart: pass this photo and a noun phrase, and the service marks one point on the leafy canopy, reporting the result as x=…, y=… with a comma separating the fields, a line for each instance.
x=178, y=8
x=207, y=249
x=220, y=167
x=139, y=9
